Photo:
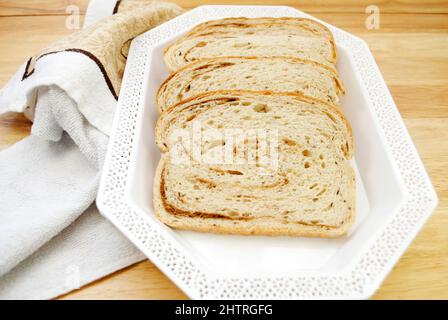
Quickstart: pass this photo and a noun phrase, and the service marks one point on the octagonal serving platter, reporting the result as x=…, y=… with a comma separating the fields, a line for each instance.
x=394, y=194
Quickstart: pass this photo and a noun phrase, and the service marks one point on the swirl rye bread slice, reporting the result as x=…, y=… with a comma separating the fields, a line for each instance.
x=276, y=74
x=266, y=37
x=311, y=192
x=242, y=23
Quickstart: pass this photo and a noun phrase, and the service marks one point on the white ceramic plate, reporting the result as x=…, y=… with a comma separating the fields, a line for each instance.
x=394, y=194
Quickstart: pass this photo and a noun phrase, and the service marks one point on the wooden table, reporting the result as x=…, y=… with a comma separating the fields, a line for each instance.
x=411, y=48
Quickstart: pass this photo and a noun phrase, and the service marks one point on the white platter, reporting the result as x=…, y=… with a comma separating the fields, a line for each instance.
x=394, y=194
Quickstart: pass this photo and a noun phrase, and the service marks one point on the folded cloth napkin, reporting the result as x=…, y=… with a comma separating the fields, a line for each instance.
x=52, y=238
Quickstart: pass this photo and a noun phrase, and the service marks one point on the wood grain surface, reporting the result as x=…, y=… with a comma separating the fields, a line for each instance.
x=411, y=49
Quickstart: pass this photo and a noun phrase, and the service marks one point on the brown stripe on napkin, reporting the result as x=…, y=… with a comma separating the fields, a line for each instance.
x=117, y=5
x=27, y=73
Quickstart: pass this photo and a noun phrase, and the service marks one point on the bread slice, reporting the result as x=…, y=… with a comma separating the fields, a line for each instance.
x=251, y=73
x=309, y=192
x=241, y=24
x=264, y=37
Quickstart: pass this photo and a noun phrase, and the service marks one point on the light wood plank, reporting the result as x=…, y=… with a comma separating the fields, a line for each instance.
x=13, y=127
x=420, y=101
x=57, y=7
x=22, y=37
x=140, y=281
x=41, y=7
x=354, y=22
x=357, y=6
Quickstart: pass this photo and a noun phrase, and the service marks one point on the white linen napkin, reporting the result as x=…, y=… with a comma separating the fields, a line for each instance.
x=52, y=238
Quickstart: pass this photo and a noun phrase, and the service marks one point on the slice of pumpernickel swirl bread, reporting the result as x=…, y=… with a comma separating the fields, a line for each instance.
x=278, y=74
x=241, y=24
x=249, y=38
x=309, y=192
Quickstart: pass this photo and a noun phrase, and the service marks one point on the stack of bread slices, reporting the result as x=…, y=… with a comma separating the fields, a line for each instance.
x=260, y=77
